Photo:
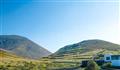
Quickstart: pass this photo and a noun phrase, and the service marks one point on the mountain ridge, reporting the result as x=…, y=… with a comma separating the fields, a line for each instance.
x=22, y=46
x=88, y=45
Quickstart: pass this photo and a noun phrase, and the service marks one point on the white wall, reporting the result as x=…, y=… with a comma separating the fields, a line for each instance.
x=105, y=56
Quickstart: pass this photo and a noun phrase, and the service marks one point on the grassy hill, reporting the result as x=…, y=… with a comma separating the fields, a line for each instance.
x=22, y=46
x=67, y=58
x=6, y=54
x=10, y=61
x=89, y=46
x=16, y=53
x=85, y=50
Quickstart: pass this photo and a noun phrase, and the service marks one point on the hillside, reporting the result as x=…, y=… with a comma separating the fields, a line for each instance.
x=22, y=46
x=9, y=61
x=7, y=54
x=67, y=58
x=89, y=46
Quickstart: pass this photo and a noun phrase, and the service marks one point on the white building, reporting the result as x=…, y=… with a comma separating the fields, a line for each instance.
x=114, y=59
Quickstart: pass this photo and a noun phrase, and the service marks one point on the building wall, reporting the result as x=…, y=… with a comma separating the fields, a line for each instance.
x=105, y=57
x=115, y=62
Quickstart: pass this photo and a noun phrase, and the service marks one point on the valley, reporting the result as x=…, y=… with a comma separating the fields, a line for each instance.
x=69, y=57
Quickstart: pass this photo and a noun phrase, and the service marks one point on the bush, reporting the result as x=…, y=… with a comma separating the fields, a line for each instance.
x=24, y=65
x=107, y=65
x=92, y=65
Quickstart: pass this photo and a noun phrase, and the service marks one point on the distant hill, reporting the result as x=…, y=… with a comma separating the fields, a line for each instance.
x=22, y=46
x=7, y=54
x=89, y=46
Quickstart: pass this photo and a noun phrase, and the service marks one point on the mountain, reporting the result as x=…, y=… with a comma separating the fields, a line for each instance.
x=22, y=46
x=89, y=46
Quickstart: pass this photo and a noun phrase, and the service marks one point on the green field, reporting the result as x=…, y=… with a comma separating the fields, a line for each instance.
x=67, y=61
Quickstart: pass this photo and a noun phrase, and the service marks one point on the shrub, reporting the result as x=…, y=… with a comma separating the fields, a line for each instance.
x=92, y=65
x=107, y=65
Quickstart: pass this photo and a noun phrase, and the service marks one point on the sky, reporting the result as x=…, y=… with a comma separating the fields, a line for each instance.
x=56, y=23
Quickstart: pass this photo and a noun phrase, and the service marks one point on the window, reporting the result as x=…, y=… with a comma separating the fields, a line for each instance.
x=115, y=57
x=107, y=58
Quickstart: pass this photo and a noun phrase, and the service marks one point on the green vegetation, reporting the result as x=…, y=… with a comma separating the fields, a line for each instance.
x=23, y=65
x=26, y=64
x=67, y=58
x=92, y=66
x=88, y=46
x=107, y=65
x=12, y=62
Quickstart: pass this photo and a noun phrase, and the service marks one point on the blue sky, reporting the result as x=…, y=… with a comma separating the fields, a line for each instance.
x=56, y=23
